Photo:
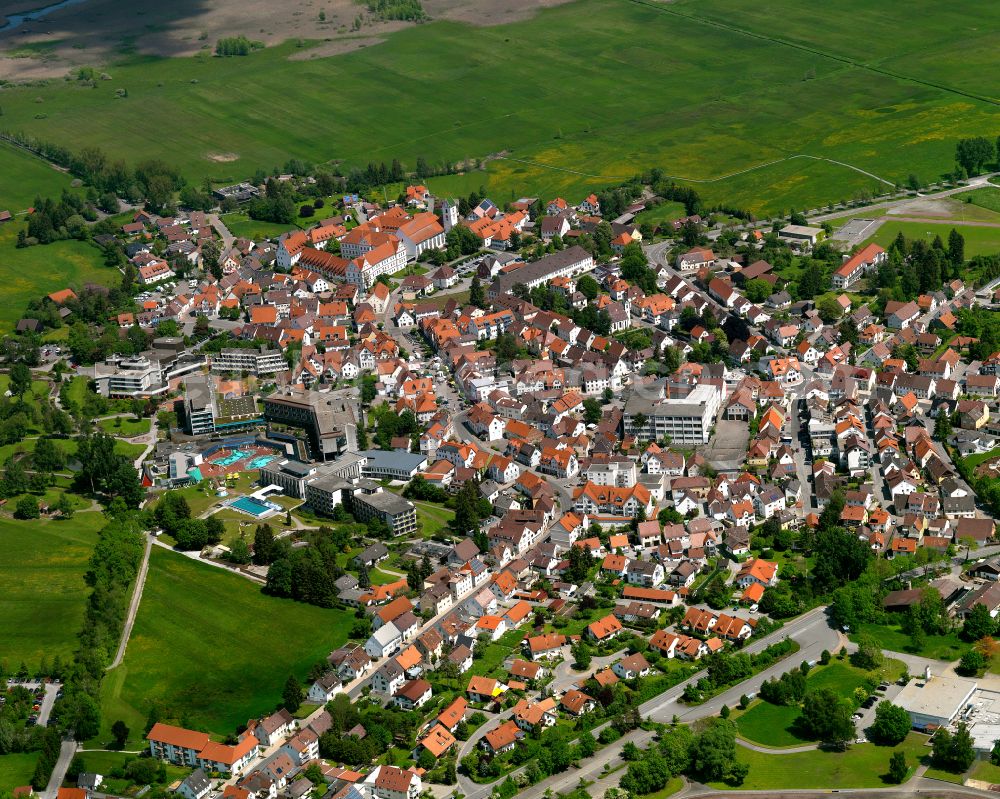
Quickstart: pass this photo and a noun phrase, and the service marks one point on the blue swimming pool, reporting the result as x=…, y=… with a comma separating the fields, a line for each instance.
x=260, y=461
x=233, y=457
x=254, y=507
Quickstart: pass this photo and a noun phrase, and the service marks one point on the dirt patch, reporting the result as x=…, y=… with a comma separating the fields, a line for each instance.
x=223, y=158
x=97, y=31
x=335, y=47
x=487, y=12
x=942, y=208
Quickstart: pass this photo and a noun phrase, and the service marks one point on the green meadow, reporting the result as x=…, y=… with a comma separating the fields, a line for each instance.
x=44, y=594
x=25, y=177
x=978, y=240
x=861, y=766
x=576, y=97
x=35, y=271
x=16, y=769
x=212, y=649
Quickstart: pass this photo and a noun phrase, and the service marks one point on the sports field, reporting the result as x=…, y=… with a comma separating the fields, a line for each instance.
x=44, y=594
x=704, y=89
x=212, y=648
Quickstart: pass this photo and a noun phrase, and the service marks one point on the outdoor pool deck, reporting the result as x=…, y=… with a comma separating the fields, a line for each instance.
x=252, y=506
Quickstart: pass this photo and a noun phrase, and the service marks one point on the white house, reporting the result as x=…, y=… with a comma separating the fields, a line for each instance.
x=385, y=641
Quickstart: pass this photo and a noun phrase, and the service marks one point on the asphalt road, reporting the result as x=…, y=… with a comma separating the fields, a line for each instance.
x=66, y=752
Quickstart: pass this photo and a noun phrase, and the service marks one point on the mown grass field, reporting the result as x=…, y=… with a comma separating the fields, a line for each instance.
x=688, y=86
x=212, y=648
x=773, y=725
x=978, y=240
x=938, y=647
x=44, y=594
x=26, y=177
x=35, y=271
x=16, y=769
x=988, y=197
x=68, y=445
x=125, y=426
x=861, y=766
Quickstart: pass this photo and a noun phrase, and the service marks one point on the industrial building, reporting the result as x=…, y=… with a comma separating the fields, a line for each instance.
x=934, y=700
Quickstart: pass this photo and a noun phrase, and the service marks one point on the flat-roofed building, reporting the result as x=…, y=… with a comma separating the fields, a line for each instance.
x=259, y=361
x=397, y=513
x=328, y=422
x=935, y=700
x=290, y=475
x=198, y=407
x=687, y=420
x=382, y=464
x=326, y=492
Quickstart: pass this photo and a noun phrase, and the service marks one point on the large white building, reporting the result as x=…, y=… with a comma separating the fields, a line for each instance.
x=935, y=700
x=687, y=420
x=567, y=263
x=259, y=362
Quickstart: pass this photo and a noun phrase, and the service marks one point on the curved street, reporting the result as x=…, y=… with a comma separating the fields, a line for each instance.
x=813, y=634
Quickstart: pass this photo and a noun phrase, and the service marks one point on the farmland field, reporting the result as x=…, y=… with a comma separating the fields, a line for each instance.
x=701, y=88
x=212, y=648
x=44, y=593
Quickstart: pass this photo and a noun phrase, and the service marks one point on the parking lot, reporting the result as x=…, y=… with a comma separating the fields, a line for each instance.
x=865, y=716
x=45, y=697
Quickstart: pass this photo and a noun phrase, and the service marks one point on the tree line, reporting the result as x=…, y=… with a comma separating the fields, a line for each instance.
x=112, y=570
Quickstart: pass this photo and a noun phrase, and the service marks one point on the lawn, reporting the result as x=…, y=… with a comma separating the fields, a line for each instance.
x=672, y=787
x=379, y=577
x=16, y=769
x=35, y=271
x=974, y=460
x=39, y=388
x=433, y=518
x=978, y=240
x=44, y=594
x=985, y=198
x=212, y=649
x=104, y=763
x=985, y=771
x=240, y=225
x=771, y=725
x=201, y=497
x=687, y=86
x=125, y=426
x=938, y=647
x=861, y=766
x=27, y=177
x=945, y=776
x=664, y=212
x=68, y=445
